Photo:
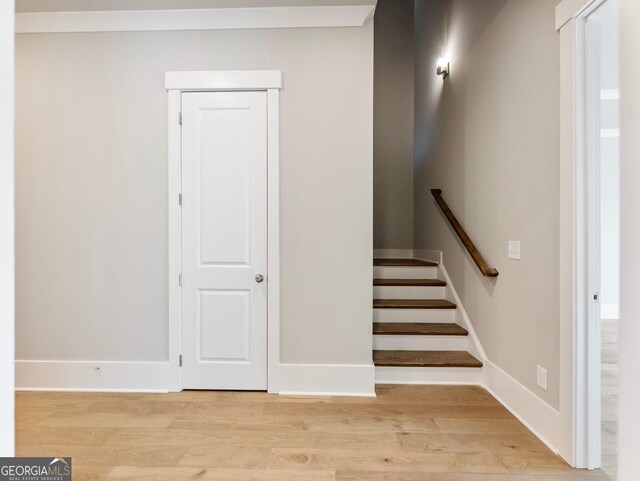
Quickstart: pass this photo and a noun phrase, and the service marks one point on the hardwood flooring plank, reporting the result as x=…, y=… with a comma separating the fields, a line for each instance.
x=345, y=459
x=26, y=435
x=356, y=440
x=422, y=476
x=239, y=457
x=128, y=473
x=86, y=473
x=101, y=455
x=215, y=439
x=481, y=426
x=371, y=424
x=499, y=444
x=257, y=424
x=120, y=420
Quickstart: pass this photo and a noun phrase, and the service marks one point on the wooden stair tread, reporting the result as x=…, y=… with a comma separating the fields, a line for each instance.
x=425, y=359
x=409, y=282
x=413, y=304
x=403, y=263
x=418, y=329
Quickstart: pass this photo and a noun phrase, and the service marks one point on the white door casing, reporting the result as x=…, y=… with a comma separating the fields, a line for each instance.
x=224, y=240
x=579, y=312
x=176, y=84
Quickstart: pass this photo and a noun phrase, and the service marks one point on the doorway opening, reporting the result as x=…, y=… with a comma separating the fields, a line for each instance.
x=603, y=93
x=603, y=178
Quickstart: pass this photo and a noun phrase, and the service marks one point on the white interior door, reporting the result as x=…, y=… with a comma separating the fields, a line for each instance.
x=224, y=240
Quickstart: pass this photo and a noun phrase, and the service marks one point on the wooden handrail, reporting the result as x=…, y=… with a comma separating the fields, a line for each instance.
x=464, y=237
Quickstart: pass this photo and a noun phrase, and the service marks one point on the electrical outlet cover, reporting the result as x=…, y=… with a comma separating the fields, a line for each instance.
x=514, y=250
x=542, y=378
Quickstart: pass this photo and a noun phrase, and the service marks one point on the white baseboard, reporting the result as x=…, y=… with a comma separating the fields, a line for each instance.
x=298, y=379
x=84, y=376
x=327, y=380
x=392, y=253
x=538, y=416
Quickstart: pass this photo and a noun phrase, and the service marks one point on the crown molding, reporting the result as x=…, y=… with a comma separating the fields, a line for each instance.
x=194, y=19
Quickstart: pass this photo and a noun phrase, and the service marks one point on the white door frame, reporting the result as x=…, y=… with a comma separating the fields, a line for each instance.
x=579, y=335
x=215, y=81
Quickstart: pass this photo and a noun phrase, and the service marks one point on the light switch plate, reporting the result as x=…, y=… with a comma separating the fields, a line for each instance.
x=514, y=250
x=542, y=378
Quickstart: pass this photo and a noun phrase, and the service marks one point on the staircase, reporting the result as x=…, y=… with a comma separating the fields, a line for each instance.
x=419, y=333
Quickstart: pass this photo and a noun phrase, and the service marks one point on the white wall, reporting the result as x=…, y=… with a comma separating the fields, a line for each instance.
x=6, y=232
x=489, y=137
x=393, y=126
x=92, y=188
x=629, y=415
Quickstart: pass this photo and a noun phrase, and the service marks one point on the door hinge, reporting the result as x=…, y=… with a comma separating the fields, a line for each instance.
x=180, y=360
x=180, y=199
x=180, y=280
x=596, y=296
x=180, y=118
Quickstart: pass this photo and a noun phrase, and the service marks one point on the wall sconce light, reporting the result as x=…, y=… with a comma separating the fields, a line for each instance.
x=443, y=64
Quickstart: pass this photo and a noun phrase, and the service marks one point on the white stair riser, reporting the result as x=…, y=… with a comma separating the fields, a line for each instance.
x=408, y=292
x=405, y=272
x=428, y=375
x=414, y=315
x=420, y=343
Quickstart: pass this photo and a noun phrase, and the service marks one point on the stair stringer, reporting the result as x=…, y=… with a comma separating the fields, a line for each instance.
x=474, y=346
x=461, y=317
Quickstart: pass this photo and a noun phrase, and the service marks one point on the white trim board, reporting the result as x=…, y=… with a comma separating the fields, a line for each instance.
x=99, y=376
x=429, y=376
x=193, y=19
x=538, y=416
x=567, y=10
x=211, y=81
x=220, y=80
x=327, y=380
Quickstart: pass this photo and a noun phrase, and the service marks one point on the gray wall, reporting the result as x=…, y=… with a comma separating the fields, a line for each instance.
x=489, y=137
x=393, y=125
x=92, y=188
x=629, y=419
x=7, y=278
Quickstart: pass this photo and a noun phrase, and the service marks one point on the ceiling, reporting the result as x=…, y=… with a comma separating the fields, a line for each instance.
x=101, y=5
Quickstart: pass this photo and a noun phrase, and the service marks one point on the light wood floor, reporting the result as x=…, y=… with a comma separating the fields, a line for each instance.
x=429, y=433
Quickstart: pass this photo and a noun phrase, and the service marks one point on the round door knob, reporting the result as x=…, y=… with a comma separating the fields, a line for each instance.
x=259, y=278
